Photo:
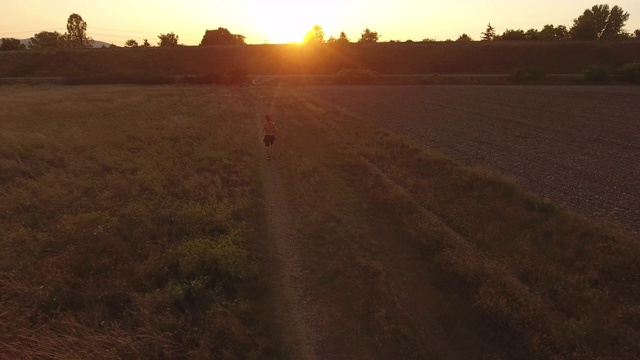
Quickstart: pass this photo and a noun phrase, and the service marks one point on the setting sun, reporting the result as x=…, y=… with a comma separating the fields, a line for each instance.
x=284, y=22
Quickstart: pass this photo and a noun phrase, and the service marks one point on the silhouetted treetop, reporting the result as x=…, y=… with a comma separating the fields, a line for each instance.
x=47, y=40
x=488, y=34
x=221, y=36
x=11, y=44
x=131, y=43
x=369, y=36
x=168, y=40
x=76, y=35
x=599, y=22
x=314, y=36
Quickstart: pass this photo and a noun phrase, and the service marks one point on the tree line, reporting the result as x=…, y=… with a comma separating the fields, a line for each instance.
x=600, y=22
x=75, y=38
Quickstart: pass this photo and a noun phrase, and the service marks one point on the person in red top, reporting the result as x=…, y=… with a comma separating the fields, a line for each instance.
x=269, y=131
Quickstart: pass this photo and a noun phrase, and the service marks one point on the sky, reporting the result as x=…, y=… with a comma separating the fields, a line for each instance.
x=280, y=21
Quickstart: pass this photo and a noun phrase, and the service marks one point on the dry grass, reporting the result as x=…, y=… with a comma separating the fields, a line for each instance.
x=128, y=221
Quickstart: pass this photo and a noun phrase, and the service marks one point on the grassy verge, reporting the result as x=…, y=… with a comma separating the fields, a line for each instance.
x=545, y=282
x=128, y=224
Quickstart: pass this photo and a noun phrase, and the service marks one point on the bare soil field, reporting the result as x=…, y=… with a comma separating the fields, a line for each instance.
x=578, y=146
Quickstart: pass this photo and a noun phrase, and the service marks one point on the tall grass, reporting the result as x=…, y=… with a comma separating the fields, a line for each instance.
x=127, y=222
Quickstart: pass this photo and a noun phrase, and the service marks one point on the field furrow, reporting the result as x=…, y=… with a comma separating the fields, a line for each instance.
x=579, y=146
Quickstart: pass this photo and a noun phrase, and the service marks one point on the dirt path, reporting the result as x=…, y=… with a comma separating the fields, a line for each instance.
x=294, y=316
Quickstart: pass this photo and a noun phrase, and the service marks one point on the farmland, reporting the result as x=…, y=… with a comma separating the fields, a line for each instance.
x=578, y=146
x=146, y=222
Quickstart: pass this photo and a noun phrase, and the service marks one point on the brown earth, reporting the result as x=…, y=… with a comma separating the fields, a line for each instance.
x=578, y=146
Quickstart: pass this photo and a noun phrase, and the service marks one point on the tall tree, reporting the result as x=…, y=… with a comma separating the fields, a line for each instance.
x=11, y=44
x=145, y=43
x=488, y=34
x=221, y=36
x=369, y=36
x=315, y=35
x=76, y=35
x=464, y=37
x=599, y=22
x=168, y=40
x=47, y=40
x=615, y=23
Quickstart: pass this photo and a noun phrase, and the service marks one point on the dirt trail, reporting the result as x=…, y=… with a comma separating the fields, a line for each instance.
x=293, y=315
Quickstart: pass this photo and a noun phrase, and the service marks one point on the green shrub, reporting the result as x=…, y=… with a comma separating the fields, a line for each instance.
x=217, y=258
x=597, y=74
x=119, y=77
x=533, y=74
x=355, y=76
x=629, y=73
x=232, y=77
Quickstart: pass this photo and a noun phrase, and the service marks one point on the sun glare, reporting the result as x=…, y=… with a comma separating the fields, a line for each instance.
x=284, y=23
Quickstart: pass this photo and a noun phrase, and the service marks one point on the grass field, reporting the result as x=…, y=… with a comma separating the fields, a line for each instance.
x=127, y=219
x=133, y=225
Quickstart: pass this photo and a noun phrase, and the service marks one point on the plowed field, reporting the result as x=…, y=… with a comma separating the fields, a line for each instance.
x=578, y=146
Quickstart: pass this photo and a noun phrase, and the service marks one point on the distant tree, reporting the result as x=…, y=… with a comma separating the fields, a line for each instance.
x=464, y=37
x=547, y=33
x=425, y=40
x=314, y=36
x=637, y=33
x=331, y=40
x=47, y=40
x=550, y=33
x=532, y=34
x=131, y=43
x=615, y=23
x=343, y=39
x=488, y=34
x=76, y=35
x=168, y=40
x=145, y=43
x=221, y=36
x=562, y=33
x=11, y=44
x=369, y=36
x=510, y=35
x=599, y=22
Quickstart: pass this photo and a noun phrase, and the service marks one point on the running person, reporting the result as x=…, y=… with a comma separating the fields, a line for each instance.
x=269, y=131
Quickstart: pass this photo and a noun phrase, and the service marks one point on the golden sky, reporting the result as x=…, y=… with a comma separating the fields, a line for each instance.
x=279, y=21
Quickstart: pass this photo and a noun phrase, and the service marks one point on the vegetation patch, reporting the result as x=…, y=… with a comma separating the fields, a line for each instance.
x=128, y=218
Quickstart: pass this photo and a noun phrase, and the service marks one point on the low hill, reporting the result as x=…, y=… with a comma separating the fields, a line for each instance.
x=96, y=43
x=568, y=57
